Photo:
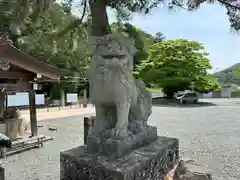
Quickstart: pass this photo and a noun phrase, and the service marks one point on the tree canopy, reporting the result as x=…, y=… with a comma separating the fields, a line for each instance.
x=71, y=52
x=125, y=8
x=142, y=39
x=178, y=65
x=159, y=37
x=64, y=36
x=206, y=84
x=22, y=15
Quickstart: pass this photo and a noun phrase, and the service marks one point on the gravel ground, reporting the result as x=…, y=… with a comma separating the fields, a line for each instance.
x=208, y=134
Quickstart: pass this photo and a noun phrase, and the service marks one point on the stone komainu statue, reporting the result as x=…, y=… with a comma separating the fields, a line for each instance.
x=122, y=103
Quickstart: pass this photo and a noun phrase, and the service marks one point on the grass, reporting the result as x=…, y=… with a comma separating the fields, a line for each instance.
x=155, y=89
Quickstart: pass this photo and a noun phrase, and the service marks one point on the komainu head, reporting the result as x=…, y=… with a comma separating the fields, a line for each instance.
x=113, y=51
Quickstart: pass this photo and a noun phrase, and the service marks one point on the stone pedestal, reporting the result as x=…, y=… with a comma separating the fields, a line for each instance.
x=115, y=148
x=150, y=162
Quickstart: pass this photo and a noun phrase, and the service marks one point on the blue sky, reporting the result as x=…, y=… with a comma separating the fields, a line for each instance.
x=208, y=25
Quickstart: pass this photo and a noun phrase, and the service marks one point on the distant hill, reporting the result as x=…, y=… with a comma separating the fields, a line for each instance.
x=229, y=75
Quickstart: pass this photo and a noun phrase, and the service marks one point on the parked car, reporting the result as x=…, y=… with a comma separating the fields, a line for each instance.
x=190, y=97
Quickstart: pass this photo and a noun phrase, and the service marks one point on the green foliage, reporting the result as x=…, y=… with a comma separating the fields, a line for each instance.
x=235, y=94
x=71, y=53
x=142, y=41
x=20, y=16
x=155, y=89
x=51, y=34
x=206, y=84
x=159, y=37
x=175, y=65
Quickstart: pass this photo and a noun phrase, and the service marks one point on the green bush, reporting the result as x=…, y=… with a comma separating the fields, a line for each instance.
x=235, y=94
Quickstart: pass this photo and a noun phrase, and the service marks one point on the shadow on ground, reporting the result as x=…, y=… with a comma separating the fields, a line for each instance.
x=175, y=103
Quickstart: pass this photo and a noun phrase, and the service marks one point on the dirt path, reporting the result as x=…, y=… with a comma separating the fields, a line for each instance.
x=44, y=114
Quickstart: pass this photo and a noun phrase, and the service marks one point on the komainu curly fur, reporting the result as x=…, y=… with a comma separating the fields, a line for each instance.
x=122, y=103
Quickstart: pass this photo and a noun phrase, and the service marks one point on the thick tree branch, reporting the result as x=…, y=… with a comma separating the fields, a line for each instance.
x=100, y=24
x=175, y=2
x=196, y=3
x=227, y=3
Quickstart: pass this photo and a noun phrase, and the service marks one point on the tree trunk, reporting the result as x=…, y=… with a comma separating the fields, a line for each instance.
x=100, y=25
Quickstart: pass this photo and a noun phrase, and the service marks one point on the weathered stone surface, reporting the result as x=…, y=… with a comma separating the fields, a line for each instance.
x=188, y=170
x=150, y=162
x=117, y=147
x=120, y=100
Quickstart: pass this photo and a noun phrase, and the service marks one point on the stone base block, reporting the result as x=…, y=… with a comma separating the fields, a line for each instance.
x=118, y=147
x=151, y=162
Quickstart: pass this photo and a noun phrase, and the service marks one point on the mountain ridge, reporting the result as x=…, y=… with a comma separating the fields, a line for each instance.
x=229, y=75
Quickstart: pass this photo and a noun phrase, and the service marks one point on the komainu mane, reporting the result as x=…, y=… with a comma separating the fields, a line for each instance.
x=122, y=103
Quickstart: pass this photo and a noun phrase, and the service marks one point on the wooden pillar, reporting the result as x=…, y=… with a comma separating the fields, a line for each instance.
x=2, y=103
x=33, y=113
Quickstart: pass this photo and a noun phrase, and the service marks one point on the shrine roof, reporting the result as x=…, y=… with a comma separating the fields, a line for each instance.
x=12, y=55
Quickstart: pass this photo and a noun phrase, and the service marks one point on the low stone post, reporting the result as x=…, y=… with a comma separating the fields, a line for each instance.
x=88, y=123
x=85, y=98
x=62, y=98
x=2, y=173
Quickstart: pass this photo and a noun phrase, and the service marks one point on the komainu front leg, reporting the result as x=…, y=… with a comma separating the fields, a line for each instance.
x=100, y=123
x=121, y=128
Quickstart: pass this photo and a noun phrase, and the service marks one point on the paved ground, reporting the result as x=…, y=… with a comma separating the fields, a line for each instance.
x=53, y=113
x=208, y=134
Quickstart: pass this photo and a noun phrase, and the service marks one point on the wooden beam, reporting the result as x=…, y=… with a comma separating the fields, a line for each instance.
x=16, y=57
x=33, y=113
x=24, y=86
x=28, y=63
x=42, y=81
x=17, y=75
